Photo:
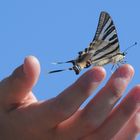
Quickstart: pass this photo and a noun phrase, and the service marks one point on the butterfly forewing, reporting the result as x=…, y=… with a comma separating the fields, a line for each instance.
x=105, y=43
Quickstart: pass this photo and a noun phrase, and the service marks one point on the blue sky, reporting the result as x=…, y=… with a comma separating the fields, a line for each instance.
x=56, y=31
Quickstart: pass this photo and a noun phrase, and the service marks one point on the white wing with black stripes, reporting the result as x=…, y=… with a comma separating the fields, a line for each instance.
x=105, y=43
x=102, y=50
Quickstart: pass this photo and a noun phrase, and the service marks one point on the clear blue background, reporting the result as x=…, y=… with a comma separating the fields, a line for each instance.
x=56, y=30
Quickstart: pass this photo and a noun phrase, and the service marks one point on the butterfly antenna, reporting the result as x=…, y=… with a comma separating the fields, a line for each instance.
x=125, y=51
x=54, y=71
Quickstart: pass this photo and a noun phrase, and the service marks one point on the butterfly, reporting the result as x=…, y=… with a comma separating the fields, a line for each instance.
x=103, y=49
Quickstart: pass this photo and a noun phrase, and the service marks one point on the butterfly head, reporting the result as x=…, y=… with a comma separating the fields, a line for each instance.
x=122, y=56
x=119, y=57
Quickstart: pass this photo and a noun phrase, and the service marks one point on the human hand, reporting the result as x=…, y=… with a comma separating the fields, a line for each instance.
x=22, y=117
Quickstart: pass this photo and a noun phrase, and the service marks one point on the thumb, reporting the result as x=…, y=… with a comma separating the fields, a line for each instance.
x=21, y=81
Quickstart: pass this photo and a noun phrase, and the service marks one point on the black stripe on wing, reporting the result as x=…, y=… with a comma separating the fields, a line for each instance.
x=107, y=55
x=106, y=48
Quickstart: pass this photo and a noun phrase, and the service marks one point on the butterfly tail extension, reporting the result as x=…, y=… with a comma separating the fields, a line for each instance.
x=71, y=61
x=61, y=70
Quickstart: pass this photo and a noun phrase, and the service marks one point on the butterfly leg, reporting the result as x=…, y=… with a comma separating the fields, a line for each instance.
x=112, y=68
x=118, y=65
x=123, y=62
x=115, y=66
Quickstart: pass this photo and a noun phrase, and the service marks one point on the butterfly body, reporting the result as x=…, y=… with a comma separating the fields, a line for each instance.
x=85, y=61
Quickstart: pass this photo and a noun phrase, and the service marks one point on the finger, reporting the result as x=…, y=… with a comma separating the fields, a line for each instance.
x=20, y=82
x=93, y=115
x=119, y=117
x=130, y=130
x=65, y=104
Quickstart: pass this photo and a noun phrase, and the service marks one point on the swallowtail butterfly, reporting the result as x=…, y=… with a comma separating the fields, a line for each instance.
x=103, y=49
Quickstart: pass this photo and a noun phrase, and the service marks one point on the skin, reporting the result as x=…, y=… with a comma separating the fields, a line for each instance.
x=60, y=118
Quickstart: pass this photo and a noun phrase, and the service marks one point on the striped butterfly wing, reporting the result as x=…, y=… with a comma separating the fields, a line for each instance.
x=105, y=44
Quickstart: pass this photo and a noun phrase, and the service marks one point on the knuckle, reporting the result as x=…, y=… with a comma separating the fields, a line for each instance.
x=116, y=89
x=116, y=92
x=89, y=123
x=129, y=106
x=85, y=88
x=60, y=108
x=117, y=86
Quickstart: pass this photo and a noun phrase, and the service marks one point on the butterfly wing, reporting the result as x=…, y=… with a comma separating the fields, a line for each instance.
x=105, y=27
x=105, y=43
